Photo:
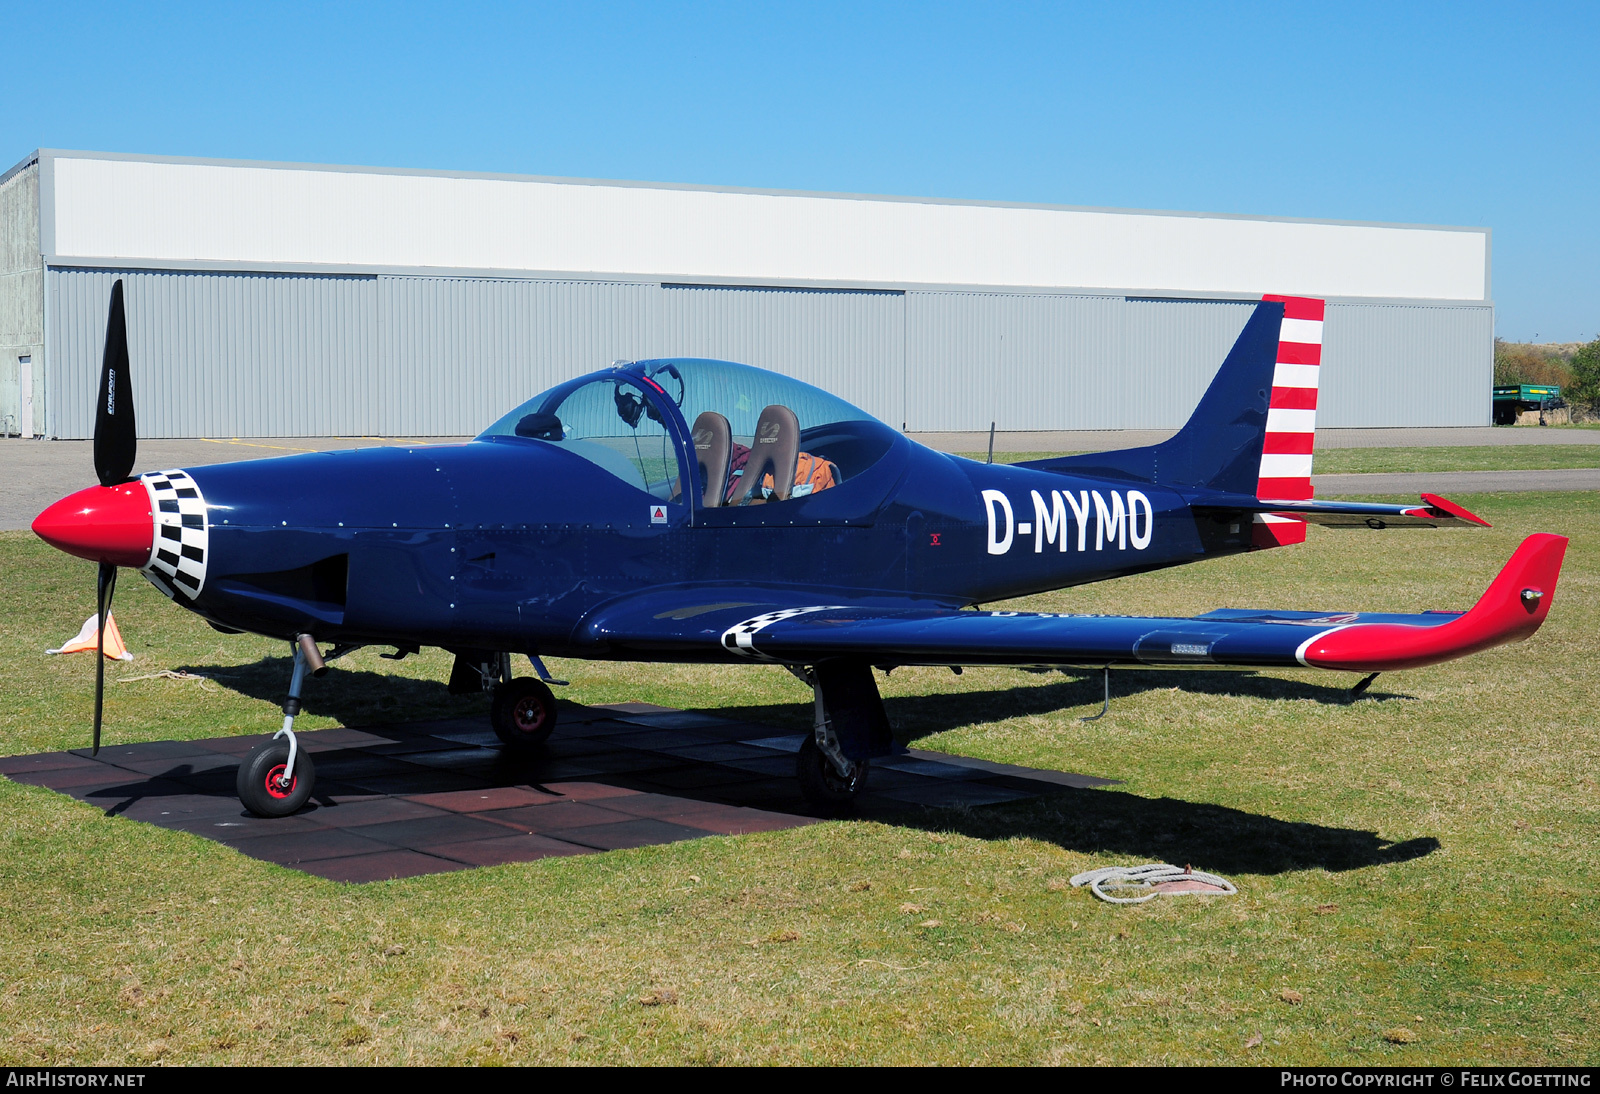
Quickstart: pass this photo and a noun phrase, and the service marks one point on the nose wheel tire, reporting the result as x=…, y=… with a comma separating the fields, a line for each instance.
x=523, y=714
x=821, y=782
x=260, y=782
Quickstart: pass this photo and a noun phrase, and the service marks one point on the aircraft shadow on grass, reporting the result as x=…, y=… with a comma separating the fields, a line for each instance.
x=355, y=697
x=917, y=716
x=1210, y=836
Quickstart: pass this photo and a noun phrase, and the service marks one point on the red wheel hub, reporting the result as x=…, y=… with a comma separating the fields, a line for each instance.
x=528, y=715
x=275, y=788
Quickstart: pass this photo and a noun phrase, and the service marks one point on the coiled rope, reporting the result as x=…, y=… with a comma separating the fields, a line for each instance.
x=1153, y=880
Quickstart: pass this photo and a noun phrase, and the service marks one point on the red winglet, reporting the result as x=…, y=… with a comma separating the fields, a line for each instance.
x=1511, y=610
x=1445, y=505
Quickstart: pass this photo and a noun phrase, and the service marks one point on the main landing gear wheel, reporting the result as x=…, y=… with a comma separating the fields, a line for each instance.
x=524, y=713
x=821, y=782
x=260, y=783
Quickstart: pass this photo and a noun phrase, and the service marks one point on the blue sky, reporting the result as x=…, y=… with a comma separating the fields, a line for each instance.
x=1462, y=114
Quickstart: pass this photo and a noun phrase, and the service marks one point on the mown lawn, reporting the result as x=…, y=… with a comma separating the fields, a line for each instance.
x=1507, y=457
x=1340, y=461
x=1416, y=869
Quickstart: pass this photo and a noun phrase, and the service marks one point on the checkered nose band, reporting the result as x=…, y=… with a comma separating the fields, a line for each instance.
x=183, y=532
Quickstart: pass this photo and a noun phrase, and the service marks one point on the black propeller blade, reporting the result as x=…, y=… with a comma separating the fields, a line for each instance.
x=115, y=437
x=105, y=586
x=116, y=442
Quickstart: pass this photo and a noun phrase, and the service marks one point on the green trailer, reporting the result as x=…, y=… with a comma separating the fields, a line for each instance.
x=1513, y=399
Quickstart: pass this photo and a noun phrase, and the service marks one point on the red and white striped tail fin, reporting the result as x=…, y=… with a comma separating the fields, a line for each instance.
x=1291, y=420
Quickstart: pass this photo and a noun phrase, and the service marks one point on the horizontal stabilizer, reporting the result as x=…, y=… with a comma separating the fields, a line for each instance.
x=1434, y=512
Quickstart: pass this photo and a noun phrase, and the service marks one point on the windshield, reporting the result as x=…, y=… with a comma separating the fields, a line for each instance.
x=610, y=422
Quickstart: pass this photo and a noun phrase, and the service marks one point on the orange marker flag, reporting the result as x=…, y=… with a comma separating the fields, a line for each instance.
x=88, y=638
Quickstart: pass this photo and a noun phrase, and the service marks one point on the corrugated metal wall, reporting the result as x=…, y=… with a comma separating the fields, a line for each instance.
x=457, y=353
x=1171, y=349
x=847, y=342
x=1060, y=362
x=238, y=354
x=220, y=354
x=1406, y=365
x=976, y=358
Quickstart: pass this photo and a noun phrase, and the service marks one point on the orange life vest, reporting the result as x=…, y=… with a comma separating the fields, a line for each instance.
x=810, y=471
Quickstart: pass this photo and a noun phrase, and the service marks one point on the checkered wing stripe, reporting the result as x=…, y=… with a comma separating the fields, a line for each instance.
x=183, y=532
x=740, y=638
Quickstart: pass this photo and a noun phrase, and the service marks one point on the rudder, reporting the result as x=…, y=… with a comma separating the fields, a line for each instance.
x=1290, y=439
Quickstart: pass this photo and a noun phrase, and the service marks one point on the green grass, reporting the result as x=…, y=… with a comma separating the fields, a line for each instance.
x=1420, y=860
x=1339, y=461
x=1509, y=457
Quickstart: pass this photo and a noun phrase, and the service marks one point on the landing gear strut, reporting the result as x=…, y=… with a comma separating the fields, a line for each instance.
x=523, y=713
x=829, y=779
x=276, y=778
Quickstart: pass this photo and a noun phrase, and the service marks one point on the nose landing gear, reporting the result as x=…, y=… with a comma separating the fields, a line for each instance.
x=277, y=777
x=267, y=784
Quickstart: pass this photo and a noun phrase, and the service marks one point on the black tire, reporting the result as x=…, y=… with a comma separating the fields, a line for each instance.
x=258, y=774
x=821, y=784
x=523, y=714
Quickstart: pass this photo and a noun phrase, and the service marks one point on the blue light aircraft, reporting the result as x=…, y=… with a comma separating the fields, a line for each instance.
x=698, y=511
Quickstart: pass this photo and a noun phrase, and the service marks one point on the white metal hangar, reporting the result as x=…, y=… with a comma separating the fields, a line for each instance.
x=271, y=299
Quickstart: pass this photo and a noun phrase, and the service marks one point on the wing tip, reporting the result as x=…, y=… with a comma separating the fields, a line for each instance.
x=1511, y=609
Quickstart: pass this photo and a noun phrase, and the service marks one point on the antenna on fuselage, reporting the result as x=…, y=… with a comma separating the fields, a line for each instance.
x=999, y=374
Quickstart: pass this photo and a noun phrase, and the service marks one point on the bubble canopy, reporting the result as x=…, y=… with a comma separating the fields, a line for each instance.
x=617, y=418
x=741, y=392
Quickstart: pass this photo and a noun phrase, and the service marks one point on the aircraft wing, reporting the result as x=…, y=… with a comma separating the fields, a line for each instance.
x=799, y=627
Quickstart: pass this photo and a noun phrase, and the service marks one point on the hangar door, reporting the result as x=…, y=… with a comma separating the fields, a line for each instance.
x=1046, y=361
x=847, y=341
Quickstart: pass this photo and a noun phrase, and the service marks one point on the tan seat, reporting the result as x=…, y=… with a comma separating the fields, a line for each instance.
x=773, y=451
x=713, y=450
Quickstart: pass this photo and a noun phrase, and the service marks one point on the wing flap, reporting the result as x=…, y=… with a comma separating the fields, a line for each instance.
x=1016, y=638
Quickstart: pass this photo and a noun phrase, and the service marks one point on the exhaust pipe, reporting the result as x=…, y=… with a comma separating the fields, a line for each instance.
x=313, y=656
